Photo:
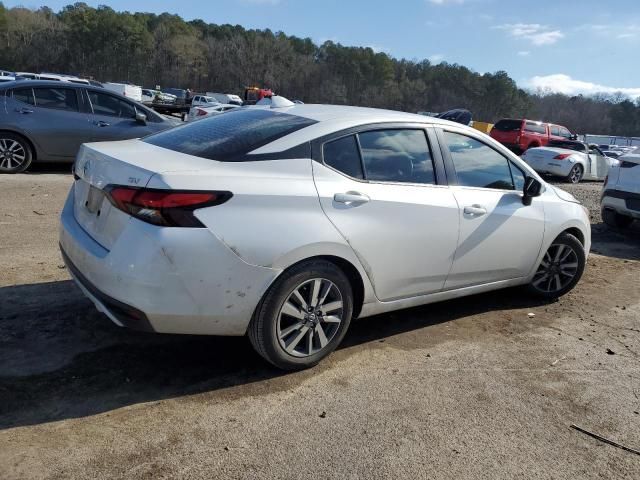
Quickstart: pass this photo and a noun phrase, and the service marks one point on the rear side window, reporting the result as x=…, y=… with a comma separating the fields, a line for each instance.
x=57, y=98
x=555, y=131
x=508, y=125
x=477, y=164
x=230, y=136
x=343, y=155
x=565, y=133
x=24, y=95
x=535, y=127
x=397, y=156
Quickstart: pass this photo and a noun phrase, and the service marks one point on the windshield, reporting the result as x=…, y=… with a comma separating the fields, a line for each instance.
x=577, y=146
x=230, y=136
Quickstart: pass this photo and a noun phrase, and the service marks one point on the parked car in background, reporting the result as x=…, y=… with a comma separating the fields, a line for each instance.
x=150, y=95
x=620, y=202
x=134, y=92
x=6, y=78
x=47, y=121
x=229, y=98
x=521, y=134
x=610, y=153
x=194, y=225
x=203, y=111
x=569, y=159
x=205, y=100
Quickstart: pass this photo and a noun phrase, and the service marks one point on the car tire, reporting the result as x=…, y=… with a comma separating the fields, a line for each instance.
x=16, y=154
x=576, y=173
x=615, y=219
x=288, y=329
x=561, y=268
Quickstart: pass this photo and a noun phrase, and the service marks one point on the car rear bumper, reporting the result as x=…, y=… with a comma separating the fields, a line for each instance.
x=169, y=280
x=625, y=203
x=551, y=167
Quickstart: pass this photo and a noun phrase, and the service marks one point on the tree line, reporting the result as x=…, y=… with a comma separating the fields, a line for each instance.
x=149, y=50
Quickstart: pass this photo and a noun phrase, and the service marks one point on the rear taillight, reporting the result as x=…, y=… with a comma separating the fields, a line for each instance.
x=167, y=208
x=201, y=112
x=561, y=156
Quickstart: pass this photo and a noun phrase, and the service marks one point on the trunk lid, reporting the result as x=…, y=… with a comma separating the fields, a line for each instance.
x=130, y=162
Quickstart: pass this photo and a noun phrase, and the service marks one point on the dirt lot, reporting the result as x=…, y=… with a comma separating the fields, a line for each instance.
x=467, y=389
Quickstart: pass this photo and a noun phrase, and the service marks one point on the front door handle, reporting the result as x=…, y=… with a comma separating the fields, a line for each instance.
x=350, y=198
x=101, y=123
x=476, y=210
x=24, y=110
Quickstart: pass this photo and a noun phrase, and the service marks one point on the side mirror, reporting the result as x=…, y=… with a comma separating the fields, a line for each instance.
x=141, y=118
x=532, y=188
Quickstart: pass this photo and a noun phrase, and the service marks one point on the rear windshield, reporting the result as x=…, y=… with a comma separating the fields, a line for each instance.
x=577, y=146
x=230, y=136
x=175, y=91
x=508, y=125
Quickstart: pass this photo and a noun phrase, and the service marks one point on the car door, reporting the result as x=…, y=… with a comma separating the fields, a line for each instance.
x=385, y=192
x=114, y=118
x=598, y=164
x=500, y=237
x=52, y=117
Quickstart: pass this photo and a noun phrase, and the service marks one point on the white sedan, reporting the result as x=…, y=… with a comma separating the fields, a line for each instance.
x=285, y=223
x=572, y=160
x=202, y=111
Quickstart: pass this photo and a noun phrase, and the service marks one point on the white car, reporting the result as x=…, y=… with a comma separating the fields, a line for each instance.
x=203, y=111
x=203, y=100
x=286, y=223
x=150, y=96
x=620, y=201
x=227, y=98
x=575, y=161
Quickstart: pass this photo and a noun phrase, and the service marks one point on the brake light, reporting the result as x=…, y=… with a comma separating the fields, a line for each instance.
x=562, y=156
x=201, y=112
x=167, y=208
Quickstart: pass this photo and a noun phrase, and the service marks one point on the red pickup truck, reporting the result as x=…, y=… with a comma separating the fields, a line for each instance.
x=519, y=135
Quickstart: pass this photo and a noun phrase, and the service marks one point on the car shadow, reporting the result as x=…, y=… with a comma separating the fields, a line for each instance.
x=61, y=359
x=617, y=243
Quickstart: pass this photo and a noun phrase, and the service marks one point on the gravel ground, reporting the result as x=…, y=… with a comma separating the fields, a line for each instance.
x=466, y=389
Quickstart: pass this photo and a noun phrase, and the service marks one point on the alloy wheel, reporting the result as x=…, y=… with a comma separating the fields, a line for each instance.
x=12, y=154
x=310, y=317
x=576, y=174
x=557, y=269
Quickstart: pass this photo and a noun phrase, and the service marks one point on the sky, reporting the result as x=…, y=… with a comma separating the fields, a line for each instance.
x=569, y=46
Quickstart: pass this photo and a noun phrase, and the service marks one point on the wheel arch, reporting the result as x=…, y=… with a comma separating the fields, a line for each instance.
x=32, y=145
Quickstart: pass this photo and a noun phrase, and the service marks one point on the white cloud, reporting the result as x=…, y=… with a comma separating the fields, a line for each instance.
x=445, y=2
x=524, y=53
x=535, y=33
x=436, y=58
x=261, y=2
x=561, y=83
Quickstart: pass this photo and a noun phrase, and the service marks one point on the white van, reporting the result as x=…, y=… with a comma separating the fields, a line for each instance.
x=134, y=92
x=226, y=98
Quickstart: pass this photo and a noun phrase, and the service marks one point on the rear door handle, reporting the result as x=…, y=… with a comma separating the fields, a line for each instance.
x=101, y=123
x=24, y=110
x=477, y=210
x=350, y=198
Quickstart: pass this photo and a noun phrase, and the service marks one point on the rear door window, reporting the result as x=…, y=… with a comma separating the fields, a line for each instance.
x=555, y=131
x=343, y=155
x=231, y=136
x=478, y=165
x=535, y=127
x=401, y=155
x=24, y=95
x=56, y=98
x=565, y=133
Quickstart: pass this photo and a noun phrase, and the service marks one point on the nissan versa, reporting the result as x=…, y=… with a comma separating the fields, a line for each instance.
x=285, y=223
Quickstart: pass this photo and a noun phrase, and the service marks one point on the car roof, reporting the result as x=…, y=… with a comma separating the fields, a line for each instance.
x=323, y=113
x=43, y=83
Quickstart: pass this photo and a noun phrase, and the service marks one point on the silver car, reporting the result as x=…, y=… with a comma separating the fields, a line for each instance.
x=47, y=121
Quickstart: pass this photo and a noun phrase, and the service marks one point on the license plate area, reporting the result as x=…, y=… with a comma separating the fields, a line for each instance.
x=94, y=199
